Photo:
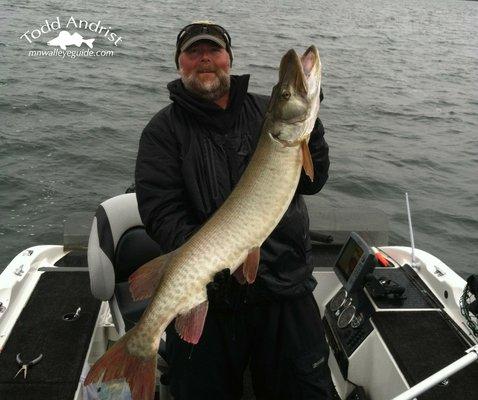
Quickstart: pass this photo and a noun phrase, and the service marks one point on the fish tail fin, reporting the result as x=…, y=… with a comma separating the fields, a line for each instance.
x=89, y=42
x=143, y=282
x=119, y=363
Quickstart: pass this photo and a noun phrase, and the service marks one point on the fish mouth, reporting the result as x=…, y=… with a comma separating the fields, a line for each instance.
x=291, y=72
x=298, y=71
x=310, y=61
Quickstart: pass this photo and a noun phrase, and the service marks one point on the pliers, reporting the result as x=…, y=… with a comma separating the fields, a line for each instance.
x=25, y=365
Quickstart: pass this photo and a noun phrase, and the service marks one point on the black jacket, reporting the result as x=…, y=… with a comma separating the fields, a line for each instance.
x=191, y=155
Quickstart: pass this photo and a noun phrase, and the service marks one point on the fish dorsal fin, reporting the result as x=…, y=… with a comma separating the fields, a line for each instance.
x=307, y=160
x=190, y=325
x=144, y=281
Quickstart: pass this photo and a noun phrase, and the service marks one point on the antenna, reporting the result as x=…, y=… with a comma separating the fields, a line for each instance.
x=414, y=264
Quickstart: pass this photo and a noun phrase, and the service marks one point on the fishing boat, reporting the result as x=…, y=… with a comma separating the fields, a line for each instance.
x=399, y=322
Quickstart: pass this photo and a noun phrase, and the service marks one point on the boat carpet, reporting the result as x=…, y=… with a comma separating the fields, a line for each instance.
x=415, y=296
x=73, y=259
x=422, y=343
x=40, y=328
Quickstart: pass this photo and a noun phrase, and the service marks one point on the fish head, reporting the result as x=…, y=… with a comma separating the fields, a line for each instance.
x=295, y=99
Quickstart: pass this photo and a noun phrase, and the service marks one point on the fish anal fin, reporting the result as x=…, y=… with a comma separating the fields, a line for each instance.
x=251, y=264
x=144, y=281
x=119, y=363
x=307, y=163
x=190, y=325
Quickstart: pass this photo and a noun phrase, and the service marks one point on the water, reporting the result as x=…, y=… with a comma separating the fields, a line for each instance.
x=400, y=112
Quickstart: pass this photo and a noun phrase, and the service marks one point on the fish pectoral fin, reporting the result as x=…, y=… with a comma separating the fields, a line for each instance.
x=144, y=281
x=307, y=163
x=190, y=325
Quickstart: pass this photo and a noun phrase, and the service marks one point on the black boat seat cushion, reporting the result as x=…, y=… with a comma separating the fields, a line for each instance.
x=131, y=311
x=134, y=249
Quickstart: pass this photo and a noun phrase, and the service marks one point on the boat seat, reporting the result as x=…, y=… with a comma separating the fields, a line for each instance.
x=131, y=311
x=134, y=249
x=117, y=246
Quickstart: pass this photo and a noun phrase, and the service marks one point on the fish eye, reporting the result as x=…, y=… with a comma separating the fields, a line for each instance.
x=285, y=94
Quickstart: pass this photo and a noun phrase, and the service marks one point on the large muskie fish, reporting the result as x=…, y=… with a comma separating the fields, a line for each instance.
x=231, y=238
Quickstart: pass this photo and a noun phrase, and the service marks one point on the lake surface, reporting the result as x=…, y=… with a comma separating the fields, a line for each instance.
x=400, y=108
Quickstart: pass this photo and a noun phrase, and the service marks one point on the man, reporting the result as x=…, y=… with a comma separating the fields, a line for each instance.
x=191, y=155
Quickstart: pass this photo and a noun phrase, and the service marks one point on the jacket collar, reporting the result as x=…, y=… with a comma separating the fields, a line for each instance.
x=207, y=111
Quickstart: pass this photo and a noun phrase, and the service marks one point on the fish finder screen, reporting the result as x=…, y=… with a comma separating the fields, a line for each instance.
x=349, y=258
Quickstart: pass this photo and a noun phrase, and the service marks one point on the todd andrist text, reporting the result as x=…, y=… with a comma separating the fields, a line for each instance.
x=72, y=23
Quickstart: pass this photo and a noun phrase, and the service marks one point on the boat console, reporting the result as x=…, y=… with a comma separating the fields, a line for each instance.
x=387, y=329
x=348, y=313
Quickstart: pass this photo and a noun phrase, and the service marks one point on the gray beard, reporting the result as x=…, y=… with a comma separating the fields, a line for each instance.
x=211, y=91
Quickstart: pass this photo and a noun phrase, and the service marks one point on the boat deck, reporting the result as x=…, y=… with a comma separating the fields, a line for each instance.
x=423, y=342
x=41, y=329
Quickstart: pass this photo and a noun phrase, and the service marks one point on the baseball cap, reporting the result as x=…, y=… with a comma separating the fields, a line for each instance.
x=202, y=30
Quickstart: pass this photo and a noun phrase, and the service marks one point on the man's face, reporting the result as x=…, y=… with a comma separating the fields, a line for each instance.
x=204, y=68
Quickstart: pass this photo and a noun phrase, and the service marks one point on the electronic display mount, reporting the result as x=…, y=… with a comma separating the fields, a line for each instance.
x=355, y=261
